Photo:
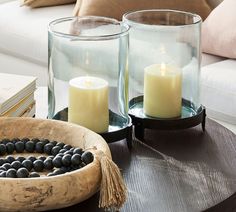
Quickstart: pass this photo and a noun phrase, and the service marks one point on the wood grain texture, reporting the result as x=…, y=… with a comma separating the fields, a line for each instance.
x=44, y=193
x=193, y=171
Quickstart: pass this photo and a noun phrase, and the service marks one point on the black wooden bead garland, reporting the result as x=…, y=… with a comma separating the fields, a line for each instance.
x=61, y=158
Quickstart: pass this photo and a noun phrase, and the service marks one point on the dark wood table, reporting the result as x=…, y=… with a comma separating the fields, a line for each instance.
x=190, y=171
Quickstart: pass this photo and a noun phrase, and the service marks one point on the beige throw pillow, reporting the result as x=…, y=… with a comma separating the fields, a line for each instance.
x=213, y=3
x=45, y=3
x=219, y=32
x=116, y=8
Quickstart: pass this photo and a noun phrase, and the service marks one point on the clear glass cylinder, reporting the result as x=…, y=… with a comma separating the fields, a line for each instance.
x=87, y=72
x=164, y=63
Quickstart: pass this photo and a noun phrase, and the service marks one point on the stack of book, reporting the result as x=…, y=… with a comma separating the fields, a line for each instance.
x=17, y=95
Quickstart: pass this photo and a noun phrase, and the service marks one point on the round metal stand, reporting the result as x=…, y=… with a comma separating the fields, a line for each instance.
x=116, y=131
x=189, y=118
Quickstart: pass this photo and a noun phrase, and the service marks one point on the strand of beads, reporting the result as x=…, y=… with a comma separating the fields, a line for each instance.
x=61, y=158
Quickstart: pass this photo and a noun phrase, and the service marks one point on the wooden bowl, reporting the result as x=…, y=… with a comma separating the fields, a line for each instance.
x=45, y=193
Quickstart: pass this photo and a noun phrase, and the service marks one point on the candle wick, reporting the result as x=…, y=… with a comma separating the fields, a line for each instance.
x=88, y=83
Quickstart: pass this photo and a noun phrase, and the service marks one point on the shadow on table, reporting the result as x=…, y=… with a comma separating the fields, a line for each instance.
x=179, y=171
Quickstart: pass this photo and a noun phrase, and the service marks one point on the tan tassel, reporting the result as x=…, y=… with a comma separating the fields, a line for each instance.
x=113, y=192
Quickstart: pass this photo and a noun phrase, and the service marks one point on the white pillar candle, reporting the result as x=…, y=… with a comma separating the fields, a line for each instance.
x=162, y=91
x=88, y=103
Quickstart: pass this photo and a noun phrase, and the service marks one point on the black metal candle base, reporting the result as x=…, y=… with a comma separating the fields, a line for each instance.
x=188, y=119
x=116, y=131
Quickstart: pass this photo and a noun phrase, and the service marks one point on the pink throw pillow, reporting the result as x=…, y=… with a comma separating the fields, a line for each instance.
x=219, y=30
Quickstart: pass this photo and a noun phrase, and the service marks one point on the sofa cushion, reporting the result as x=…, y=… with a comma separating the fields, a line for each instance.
x=116, y=8
x=24, y=30
x=218, y=90
x=44, y=3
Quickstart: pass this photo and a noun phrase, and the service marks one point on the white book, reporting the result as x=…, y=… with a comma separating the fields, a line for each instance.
x=20, y=107
x=14, y=88
x=30, y=112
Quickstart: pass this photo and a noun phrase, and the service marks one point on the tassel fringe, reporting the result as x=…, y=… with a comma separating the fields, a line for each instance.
x=113, y=192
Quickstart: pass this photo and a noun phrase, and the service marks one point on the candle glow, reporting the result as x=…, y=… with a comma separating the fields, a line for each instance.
x=162, y=91
x=88, y=103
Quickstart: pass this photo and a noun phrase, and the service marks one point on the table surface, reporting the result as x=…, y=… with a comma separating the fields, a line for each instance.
x=187, y=170
x=191, y=171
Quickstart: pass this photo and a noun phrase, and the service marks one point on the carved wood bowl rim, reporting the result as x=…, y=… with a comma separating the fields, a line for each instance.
x=47, y=193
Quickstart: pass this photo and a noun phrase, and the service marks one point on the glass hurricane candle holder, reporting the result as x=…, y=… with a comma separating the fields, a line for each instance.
x=87, y=75
x=164, y=70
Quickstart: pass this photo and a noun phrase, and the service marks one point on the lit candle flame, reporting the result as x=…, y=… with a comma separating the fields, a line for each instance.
x=163, y=69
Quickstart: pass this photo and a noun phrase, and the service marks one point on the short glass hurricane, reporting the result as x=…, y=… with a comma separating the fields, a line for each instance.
x=87, y=74
x=164, y=68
